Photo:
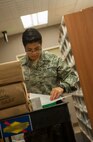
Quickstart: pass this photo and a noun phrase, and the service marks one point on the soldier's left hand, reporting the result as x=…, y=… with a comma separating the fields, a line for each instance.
x=56, y=92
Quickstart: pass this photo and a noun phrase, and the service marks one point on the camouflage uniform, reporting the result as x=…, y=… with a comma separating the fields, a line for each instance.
x=49, y=72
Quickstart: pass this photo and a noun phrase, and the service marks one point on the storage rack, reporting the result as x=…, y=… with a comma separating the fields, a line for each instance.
x=82, y=114
x=78, y=98
x=65, y=46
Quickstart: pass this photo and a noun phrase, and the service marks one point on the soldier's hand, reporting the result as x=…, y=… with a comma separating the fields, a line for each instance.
x=56, y=92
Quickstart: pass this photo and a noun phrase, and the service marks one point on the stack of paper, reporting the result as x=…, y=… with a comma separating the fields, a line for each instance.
x=45, y=99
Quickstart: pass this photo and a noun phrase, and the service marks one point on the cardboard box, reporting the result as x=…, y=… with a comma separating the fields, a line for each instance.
x=12, y=95
x=14, y=111
x=10, y=72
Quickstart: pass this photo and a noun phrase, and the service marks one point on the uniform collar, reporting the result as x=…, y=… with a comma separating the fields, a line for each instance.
x=26, y=61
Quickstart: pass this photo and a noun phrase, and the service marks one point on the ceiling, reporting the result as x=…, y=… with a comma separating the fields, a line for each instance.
x=11, y=10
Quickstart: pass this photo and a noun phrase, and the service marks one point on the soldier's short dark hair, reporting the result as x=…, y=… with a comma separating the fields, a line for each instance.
x=31, y=35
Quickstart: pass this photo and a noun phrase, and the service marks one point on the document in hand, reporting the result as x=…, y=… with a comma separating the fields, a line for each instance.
x=45, y=99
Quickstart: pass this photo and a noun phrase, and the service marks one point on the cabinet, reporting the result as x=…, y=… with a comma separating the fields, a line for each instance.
x=75, y=38
x=80, y=30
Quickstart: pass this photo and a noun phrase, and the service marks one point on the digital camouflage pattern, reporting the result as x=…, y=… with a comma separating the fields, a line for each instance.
x=49, y=72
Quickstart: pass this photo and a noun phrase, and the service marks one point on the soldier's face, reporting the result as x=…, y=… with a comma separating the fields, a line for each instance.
x=33, y=50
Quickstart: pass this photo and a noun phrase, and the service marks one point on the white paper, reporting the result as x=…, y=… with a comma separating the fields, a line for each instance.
x=45, y=99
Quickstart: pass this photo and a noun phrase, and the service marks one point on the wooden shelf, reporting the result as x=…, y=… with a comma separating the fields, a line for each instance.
x=80, y=31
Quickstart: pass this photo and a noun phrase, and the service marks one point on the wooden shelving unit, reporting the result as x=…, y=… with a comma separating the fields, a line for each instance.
x=78, y=96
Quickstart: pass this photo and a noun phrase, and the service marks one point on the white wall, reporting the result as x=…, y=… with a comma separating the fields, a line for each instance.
x=8, y=51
